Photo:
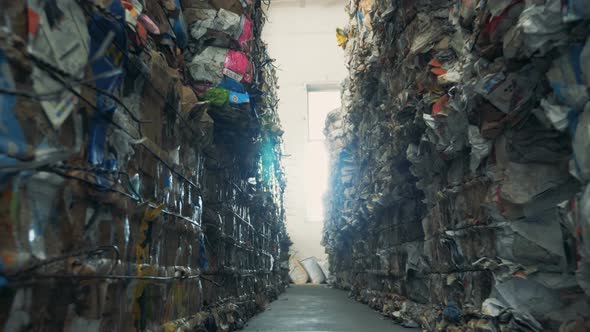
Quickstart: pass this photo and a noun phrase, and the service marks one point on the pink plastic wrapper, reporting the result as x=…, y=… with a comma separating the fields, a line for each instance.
x=237, y=66
x=247, y=34
x=149, y=24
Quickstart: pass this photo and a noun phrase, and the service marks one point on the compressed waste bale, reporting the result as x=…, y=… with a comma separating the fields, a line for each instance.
x=458, y=159
x=103, y=128
x=313, y=269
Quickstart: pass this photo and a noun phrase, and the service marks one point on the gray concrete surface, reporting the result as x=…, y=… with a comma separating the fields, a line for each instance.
x=319, y=308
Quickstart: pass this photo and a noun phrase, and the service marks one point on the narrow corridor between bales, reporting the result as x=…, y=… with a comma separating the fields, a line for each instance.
x=318, y=308
x=175, y=165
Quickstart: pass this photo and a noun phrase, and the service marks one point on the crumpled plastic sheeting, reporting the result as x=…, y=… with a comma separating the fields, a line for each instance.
x=565, y=77
x=71, y=55
x=533, y=242
x=214, y=62
x=557, y=114
x=208, y=65
x=480, y=148
x=518, y=321
x=540, y=28
x=525, y=181
x=238, y=28
x=222, y=20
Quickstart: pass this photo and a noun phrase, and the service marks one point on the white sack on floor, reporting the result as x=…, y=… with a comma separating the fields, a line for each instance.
x=297, y=272
x=313, y=270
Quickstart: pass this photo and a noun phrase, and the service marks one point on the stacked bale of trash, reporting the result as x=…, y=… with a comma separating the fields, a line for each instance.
x=142, y=186
x=465, y=144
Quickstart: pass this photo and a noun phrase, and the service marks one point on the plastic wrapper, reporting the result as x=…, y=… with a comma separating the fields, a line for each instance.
x=567, y=80
x=480, y=148
x=509, y=93
x=178, y=24
x=237, y=66
x=236, y=27
x=65, y=45
x=12, y=140
x=106, y=62
x=559, y=115
x=213, y=63
x=540, y=28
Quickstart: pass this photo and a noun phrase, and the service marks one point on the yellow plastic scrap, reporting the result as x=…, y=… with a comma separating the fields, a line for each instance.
x=141, y=256
x=341, y=37
x=170, y=327
x=141, y=249
x=152, y=214
x=176, y=326
x=186, y=324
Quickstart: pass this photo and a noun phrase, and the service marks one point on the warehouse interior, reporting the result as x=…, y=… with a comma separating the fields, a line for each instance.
x=295, y=165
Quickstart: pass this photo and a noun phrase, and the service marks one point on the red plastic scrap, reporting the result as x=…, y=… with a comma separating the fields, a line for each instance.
x=141, y=34
x=495, y=21
x=147, y=22
x=439, y=105
x=127, y=5
x=438, y=71
x=435, y=63
x=247, y=34
x=33, y=22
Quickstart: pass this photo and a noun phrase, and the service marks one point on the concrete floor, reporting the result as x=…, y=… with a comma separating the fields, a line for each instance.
x=319, y=308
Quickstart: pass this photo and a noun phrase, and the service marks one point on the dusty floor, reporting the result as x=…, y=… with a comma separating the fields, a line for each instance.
x=319, y=308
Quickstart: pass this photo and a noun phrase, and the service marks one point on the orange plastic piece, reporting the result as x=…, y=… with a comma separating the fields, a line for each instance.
x=435, y=63
x=438, y=71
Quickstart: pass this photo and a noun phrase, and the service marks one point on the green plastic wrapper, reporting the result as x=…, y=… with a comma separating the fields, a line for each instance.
x=217, y=96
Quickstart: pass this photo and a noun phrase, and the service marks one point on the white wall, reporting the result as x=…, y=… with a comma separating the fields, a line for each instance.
x=301, y=37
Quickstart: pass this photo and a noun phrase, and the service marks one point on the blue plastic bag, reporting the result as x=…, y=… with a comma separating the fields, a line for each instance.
x=237, y=92
x=238, y=98
x=179, y=27
x=113, y=59
x=12, y=138
x=232, y=85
